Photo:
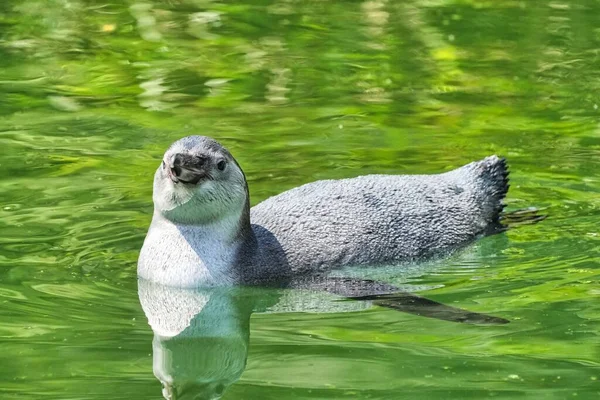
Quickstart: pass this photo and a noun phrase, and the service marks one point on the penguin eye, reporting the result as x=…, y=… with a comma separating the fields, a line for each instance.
x=221, y=165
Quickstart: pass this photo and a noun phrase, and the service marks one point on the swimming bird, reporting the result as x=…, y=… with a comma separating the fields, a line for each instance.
x=204, y=233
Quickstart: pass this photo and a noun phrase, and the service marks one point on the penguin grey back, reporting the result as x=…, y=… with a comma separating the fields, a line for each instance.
x=377, y=219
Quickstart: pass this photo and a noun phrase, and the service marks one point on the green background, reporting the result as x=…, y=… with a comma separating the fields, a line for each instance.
x=93, y=92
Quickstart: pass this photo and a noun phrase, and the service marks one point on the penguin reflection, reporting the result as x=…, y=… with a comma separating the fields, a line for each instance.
x=201, y=336
x=200, y=340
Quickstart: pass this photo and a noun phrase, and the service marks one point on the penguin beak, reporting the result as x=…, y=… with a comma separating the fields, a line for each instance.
x=186, y=168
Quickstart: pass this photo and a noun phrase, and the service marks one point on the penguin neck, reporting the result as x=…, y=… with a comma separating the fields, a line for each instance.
x=229, y=229
x=220, y=251
x=246, y=254
x=198, y=255
x=230, y=233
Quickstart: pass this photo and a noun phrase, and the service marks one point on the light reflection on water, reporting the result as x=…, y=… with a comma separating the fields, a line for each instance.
x=91, y=93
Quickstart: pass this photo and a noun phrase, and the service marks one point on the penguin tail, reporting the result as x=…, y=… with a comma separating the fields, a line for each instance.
x=493, y=182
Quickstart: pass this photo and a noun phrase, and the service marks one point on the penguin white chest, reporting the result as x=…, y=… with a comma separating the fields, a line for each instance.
x=186, y=257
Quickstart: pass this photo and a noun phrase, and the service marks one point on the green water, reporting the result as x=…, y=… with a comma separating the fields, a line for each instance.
x=92, y=93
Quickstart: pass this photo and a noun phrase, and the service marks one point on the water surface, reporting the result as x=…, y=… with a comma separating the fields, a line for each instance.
x=92, y=92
